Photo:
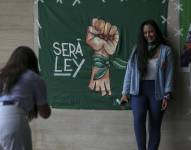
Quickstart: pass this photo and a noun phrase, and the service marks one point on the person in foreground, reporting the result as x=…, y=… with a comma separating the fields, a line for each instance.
x=148, y=82
x=22, y=97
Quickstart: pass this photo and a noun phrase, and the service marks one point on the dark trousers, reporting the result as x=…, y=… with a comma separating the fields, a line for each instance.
x=141, y=104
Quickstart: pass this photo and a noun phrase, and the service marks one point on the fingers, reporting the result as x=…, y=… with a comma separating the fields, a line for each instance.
x=110, y=47
x=94, y=42
x=103, y=89
x=93, y=30
x=116, y=37
x=101, y=85
x=124, y=98
x=107, y=86
x=92, y=84
x=102, y=34
x=98, y=85
x=123, y=101
x=98, y=24
x=93, y=39
x=114, y=34
x=113, y=30
x=164, y=105
x=107, y=29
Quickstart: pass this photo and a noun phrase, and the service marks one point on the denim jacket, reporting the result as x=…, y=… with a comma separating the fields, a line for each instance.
x=164, y=74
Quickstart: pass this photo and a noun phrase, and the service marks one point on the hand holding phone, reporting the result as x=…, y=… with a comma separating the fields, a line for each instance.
x=124, y=100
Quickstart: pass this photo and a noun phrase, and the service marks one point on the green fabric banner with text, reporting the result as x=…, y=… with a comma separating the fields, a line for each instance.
x=185, y=36
x=84, y=47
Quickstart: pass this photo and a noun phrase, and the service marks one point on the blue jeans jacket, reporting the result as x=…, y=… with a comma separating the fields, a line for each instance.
x=164, y=74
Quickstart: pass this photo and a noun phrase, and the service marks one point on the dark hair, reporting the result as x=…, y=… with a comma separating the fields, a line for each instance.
x=142, y=45
x=22, y=59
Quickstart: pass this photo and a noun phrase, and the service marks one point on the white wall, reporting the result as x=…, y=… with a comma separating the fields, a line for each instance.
x=91, y=129
x=16, y=26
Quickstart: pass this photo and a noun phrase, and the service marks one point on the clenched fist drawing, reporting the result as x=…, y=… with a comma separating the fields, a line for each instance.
x=103, y=38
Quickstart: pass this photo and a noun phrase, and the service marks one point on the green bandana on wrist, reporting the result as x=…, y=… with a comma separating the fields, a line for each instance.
x=102, y=63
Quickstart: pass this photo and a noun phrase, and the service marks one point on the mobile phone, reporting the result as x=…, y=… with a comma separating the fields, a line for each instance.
x=121, y=103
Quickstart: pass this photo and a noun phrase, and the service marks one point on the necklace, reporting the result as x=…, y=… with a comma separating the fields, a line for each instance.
x=152, y=48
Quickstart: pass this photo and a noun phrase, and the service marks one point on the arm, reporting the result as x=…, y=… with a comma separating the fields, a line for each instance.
x=40, y=97
x=169, y=72
x=127, y=78
x=169, y=80
x=126, y=86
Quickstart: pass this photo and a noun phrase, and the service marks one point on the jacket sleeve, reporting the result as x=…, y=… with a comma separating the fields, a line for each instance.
x=127, y=78
x=126, y=82
x=169, y=72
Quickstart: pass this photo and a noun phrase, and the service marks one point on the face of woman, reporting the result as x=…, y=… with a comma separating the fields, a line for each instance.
x=149, y=33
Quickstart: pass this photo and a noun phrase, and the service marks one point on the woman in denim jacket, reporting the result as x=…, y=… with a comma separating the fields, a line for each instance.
x=149, y=81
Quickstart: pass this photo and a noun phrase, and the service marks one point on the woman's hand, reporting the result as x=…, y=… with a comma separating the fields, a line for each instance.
x=164, y=104
x=165, y=100
x=44, y=111
x=124, y=100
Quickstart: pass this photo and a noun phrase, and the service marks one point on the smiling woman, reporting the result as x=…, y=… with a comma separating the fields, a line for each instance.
x=148, y=82
x=149, y=33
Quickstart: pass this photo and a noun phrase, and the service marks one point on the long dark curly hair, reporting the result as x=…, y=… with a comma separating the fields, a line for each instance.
x=22, y=59
x=142, y=45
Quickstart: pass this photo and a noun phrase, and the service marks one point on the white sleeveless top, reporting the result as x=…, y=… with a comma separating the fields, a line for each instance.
x=151, y=69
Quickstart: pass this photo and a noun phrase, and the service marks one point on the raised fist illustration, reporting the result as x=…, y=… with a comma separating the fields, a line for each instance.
x=103, y=38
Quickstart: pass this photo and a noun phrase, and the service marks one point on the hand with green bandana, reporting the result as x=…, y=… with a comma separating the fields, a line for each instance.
x=103, y=38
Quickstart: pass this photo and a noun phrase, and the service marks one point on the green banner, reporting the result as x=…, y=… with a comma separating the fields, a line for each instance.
x=84, y=47
x=185, y=38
